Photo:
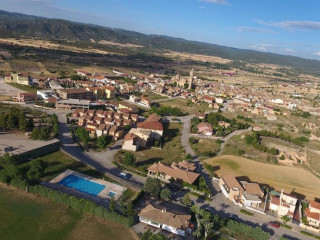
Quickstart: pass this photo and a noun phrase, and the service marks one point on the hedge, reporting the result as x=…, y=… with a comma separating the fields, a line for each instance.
x=246, y=231
x=309, y=234
x=73, y=202
x=80, y=204
x=246, y=212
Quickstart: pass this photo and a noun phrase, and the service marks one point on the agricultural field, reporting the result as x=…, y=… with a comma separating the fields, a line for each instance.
x=183, y=104
x=278, y=177
x=28, y=217
x=172, y=151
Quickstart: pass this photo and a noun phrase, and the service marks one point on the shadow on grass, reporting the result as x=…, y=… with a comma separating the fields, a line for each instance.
x=150, y=161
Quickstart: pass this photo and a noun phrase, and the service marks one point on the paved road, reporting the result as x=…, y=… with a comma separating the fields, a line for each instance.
x=100, y=161
x=8, y=90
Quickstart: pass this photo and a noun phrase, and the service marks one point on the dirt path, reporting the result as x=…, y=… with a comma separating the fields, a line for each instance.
x=43, y=68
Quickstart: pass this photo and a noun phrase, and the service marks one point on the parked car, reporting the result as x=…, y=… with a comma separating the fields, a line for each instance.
x=233, y=217
x=124, y=175
x=274, y=224
x=210, y=209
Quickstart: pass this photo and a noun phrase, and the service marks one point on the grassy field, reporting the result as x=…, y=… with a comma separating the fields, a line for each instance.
x=27, y=217
x=278, y=177
x=153, y=96
x=5, y=98
x=6, y=67
x=204, y=147
x=236, y=144
x=25, y=88
x=58, y=162
x=182, y=104
x=172, y=150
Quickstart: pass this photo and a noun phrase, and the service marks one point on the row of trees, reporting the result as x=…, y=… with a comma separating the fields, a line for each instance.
x=283, y=136
x=16, y=119
x=207, y=222
x=29, y=175
x=167, y=111
x=254, y=140
x=47, y=132
x=153, y=187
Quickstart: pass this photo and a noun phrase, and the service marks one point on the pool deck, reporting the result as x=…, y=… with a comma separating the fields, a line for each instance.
x=101, y=197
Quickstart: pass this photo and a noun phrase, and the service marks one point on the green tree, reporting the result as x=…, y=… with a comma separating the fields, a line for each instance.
x=103, y=141
x=186, y=200
x=30, y=124
x=112, y=204
x=129, y=159
x=3, y=121
x=152, y=186
x=13, y=121
x=36, y=170
x=285, y=219
x=23, y=123
x=165, y=194
x=35, y=133
x=83, y=135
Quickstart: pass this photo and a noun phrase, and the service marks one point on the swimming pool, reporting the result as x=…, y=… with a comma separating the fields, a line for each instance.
x=82, y=185
x=111, y=194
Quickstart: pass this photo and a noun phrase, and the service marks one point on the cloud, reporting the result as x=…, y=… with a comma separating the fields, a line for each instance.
x=252, y=29
x=289, y=50
x=221, y=2
x=262, y=47
x=293, y=25
x=317, y=53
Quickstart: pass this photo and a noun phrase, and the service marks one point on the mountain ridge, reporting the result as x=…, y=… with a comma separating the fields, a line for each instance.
x=22, y=25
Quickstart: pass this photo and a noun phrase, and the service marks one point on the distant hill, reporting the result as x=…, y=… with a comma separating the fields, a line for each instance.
x=21, y=25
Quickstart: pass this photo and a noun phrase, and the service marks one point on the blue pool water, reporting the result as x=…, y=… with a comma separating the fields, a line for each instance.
x=82, y=185
x=111, y=194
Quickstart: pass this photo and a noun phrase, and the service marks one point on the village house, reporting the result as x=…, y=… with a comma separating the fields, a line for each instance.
x=284, y=205
x=25, y=97
x=80, y=93
x=131, y=142
x=165, y=219
x=205, y=129
x=19, y=78
x=174, y=171
x=231, y=188
x=312, y=214
x=200, y=115
x=153, y=124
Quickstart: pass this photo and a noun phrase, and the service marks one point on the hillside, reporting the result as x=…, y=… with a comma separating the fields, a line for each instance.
x=21, y=25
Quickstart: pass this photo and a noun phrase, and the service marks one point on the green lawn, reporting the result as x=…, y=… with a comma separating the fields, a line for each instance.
x=27, y=217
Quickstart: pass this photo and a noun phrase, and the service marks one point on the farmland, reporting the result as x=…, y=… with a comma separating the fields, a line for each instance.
x=278, y=177
x=25, y=216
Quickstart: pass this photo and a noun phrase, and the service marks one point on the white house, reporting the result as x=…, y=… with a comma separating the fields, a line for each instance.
x=161, y=218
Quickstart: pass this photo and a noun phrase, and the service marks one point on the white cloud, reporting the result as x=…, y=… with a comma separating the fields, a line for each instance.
x=317, y=53
x=289, y=50
x=252, y=29
x=302, y=25
x=221, y=2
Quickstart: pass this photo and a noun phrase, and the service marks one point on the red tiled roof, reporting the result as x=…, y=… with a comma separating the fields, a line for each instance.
x=315, y=205
x=313, y=215
x=275, y=200
x=151, y=125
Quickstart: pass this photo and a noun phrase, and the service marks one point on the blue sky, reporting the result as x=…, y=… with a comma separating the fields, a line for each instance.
x=290, y=27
